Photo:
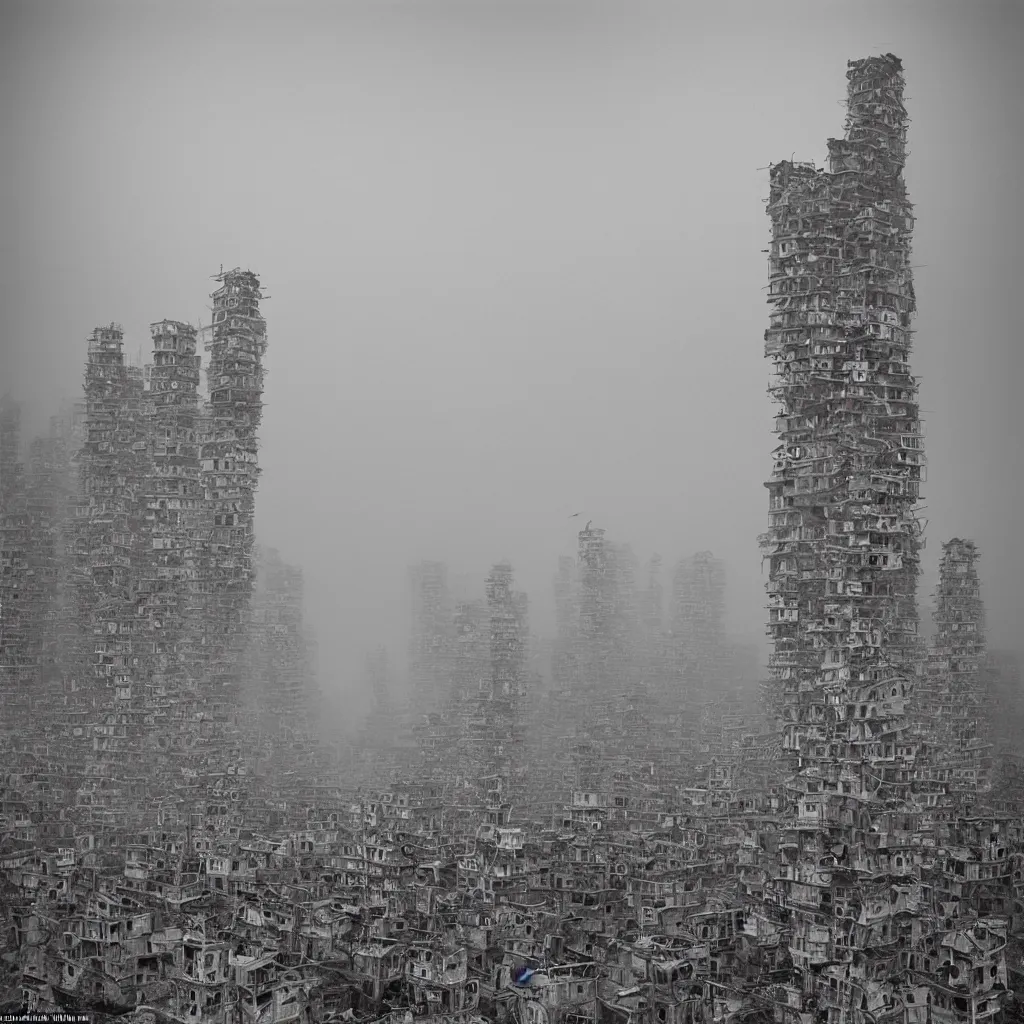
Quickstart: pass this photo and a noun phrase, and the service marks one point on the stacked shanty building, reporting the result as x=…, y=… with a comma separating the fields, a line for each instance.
x=229, y=473
x=507, y=695
x=881, y=913
x=952, y=690
x=174, y=526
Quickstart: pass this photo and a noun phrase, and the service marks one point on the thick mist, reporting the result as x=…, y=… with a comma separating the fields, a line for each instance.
x=514, y=254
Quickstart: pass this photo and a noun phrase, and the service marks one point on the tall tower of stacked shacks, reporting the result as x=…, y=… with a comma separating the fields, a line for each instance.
x=466, y=748
x=108, y=514
x=558, y=708
x=473, y=744
x=843, y=539
x=843, y=546
x=506, y=693
x=594, y=659
x=111, y=459
x=174, y=524
x=600, y=663
x=146, y=600
x=950, y=701
x=107, y=546
x=229, y=475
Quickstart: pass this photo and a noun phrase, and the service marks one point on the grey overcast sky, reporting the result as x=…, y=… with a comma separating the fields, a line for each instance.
x=514, y=258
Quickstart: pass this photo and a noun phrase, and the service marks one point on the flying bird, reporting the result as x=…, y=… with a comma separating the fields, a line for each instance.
x=575, y=514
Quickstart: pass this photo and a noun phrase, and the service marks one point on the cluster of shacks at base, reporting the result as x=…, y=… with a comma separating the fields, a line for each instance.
x=615, y=827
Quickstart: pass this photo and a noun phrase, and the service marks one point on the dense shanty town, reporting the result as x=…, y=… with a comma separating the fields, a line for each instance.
x=622, y=825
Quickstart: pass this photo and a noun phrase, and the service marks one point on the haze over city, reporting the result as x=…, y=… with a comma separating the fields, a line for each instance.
x=508, y=513
x=515, y=260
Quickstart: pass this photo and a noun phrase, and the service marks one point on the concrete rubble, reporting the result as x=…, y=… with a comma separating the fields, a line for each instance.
x=618, y=826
